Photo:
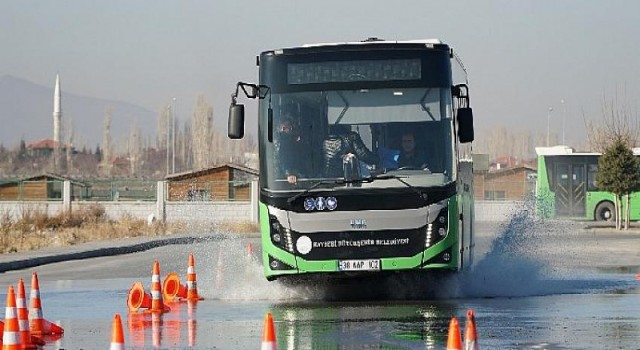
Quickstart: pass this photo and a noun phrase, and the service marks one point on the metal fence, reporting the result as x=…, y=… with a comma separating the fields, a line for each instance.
x=123, y=190
x=505, y=190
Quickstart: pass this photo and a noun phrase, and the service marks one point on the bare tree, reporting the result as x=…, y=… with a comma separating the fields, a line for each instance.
x=618, y=121
x=135, y=149
x=105, y=166
x=69, y=149
x=163, y=128
x=201, y=133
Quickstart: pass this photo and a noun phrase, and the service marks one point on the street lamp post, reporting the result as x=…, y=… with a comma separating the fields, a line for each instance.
x=173, y=138
x=548, y=122
x=564, y=116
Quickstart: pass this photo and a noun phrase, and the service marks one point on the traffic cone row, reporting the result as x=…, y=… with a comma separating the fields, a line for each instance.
x=173, y=290
x=454, y=339
x=170, y=290
x=17, y=332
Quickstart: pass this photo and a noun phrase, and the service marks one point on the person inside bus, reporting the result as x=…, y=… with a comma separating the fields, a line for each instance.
x=340, y=143
x=410, y=156
x=290, y=159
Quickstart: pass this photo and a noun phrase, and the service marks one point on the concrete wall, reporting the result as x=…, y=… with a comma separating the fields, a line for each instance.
x=173, y=211
x=215, y=211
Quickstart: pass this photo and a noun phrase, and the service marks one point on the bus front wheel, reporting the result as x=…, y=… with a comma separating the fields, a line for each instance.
x=605, y=211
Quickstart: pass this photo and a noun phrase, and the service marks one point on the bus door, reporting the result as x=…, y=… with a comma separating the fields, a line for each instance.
x=570, y=189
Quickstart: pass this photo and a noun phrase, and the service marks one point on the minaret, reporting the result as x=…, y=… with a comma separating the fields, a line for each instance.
x=57, y=113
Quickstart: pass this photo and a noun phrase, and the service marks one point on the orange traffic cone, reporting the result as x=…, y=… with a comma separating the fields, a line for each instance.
x=28, y=341
x=249, y=250
x=268, y=333
x=192, y=285
x=40, y=326
x=157, y=303
x=172, y=289
x=454, y=340
x=117, y=335
x=137, y=298
x=11, y=333
x=470, y=336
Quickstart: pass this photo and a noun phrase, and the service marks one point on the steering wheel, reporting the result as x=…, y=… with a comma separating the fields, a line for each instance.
x=410, y=167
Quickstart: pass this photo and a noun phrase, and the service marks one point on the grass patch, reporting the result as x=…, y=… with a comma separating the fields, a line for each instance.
x=33, y=228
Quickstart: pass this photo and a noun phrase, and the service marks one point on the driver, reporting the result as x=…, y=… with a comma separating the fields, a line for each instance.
x=340, y=143
x=410, y=156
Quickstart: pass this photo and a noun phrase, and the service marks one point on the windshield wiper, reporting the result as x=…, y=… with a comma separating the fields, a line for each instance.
x=315, y=185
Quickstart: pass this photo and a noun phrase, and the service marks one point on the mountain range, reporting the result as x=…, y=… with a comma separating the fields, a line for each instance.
x=26, y=113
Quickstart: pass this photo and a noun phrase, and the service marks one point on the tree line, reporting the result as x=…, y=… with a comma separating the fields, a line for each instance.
x=178, y=146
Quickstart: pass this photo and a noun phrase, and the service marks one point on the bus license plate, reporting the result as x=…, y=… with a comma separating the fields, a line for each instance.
x=359, y=265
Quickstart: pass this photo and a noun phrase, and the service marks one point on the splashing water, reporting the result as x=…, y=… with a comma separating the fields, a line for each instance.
x=525, y=257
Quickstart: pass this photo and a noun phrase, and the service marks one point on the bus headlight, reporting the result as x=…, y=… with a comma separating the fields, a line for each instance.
x=438, y=228
x=280, y=236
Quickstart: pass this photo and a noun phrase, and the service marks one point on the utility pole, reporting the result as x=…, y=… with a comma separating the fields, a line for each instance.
x=548, y=122
x=168, y=135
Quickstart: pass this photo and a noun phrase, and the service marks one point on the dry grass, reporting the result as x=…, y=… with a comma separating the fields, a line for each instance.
x=33, y=228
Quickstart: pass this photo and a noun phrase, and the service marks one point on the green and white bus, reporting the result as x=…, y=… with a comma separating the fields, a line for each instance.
x=566, y=186
x=370, y=219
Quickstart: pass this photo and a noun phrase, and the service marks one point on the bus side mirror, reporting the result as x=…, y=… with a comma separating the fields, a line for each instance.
x=465, y=124
x=236, y=121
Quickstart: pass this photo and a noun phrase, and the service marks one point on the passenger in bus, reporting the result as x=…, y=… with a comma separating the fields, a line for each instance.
x=410, y=156
x=340, y=143
x=290, y=159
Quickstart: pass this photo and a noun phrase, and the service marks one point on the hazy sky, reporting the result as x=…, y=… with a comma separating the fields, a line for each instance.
x=522, y=56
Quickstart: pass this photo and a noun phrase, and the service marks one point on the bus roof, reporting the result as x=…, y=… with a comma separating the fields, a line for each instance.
x=562, y=150
x=369, y=41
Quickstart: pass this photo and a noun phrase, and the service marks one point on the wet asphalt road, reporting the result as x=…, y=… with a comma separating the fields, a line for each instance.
x=534, y=285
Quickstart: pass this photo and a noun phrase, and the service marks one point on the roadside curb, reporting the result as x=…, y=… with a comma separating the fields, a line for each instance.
x=34, y=261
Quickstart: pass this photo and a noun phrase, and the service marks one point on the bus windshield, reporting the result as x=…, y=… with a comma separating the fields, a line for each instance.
x=337, y=135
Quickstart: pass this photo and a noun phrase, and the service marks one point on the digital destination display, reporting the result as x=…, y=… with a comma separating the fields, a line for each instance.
x=348, y=71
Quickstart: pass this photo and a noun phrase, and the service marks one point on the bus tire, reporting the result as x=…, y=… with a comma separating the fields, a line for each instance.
x=605, y=211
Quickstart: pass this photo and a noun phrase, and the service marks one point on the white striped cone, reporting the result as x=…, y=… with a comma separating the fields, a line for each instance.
x=11, y=334
x=39, y=326
x=157, y=302
x=192, y=285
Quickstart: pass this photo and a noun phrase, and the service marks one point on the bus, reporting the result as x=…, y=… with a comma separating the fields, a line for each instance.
x=566, y=186
x=366, y=220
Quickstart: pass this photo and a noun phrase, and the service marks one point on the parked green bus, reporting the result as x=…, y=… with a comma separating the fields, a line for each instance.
x=566, y=186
